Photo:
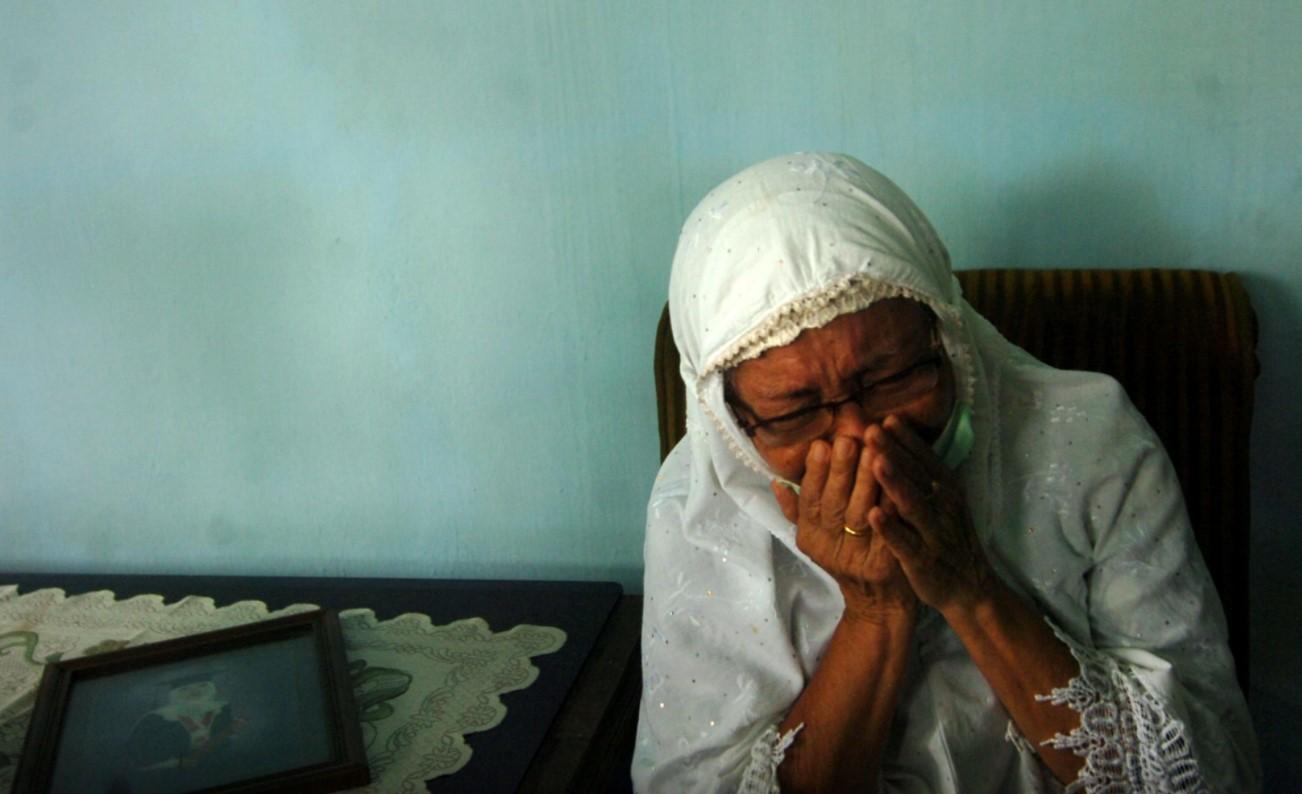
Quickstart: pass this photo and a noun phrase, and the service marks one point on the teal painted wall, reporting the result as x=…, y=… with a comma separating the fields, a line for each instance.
x=346, y=288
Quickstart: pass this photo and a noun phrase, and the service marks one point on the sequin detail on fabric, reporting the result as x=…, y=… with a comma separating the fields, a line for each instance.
x=761, y=775
x=1128, y=740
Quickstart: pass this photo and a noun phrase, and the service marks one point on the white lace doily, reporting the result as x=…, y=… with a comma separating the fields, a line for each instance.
x=420, y=688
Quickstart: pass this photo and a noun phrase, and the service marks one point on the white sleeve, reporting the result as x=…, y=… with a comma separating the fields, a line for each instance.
x=718, y=670
x=1160, y=708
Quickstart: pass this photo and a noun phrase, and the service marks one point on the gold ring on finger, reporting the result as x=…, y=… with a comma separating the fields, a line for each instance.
x=856, y=532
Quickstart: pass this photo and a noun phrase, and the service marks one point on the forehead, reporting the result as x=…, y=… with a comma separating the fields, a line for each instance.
x=839, y=348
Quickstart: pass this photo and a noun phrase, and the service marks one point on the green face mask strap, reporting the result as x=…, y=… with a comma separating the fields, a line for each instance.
x=955, y=442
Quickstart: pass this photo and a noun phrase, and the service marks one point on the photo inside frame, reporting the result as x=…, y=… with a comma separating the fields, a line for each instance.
x=196, y=723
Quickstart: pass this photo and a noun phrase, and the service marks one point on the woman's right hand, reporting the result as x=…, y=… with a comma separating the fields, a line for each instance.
x=837, y=490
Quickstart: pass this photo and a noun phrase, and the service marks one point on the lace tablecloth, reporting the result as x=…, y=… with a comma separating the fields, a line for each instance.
x=420, y=688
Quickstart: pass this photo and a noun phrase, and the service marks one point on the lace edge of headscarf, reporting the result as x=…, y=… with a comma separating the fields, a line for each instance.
x=848, y=294
x=768, y=751
x=1128, y=740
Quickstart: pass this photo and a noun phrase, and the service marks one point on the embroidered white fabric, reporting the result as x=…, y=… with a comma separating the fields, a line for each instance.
x=850, y=294
x=761, y=775
x=1128, y=740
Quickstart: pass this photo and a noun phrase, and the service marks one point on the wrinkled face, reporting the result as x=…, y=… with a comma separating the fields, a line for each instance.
x=883, y=352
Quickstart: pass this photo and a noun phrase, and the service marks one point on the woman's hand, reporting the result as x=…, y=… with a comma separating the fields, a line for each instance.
x=838, y=490
x=930, y=532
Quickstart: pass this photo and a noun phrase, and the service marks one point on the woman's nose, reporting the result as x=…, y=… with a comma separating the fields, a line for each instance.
x=849, y=421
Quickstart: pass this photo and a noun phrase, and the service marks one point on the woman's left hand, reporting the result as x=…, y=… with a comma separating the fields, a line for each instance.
x=932, y=535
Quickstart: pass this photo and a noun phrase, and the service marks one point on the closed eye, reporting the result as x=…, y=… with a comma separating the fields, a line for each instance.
x=901, y=376
x=793, y=419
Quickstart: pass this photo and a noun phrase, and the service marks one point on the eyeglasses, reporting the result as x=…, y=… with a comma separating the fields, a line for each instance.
x=876, y=397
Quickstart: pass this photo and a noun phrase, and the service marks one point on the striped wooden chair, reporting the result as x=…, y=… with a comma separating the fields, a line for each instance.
x=1184, y=345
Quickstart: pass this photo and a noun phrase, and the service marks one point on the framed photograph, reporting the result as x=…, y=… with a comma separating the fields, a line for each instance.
x=261, y=707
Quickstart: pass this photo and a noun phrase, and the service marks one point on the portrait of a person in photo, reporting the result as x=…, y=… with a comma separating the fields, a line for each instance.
x=194, y=723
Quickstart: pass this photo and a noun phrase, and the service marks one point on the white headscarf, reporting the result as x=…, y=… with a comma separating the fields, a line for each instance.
x=736, y=616
x=786, y=245
x=791, y=244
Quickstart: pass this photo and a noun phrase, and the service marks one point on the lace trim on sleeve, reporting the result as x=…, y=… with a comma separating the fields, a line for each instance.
x=761, y=776
x=1128, y=740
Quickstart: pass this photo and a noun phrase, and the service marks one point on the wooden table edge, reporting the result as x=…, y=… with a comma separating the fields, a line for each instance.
x=589, y=744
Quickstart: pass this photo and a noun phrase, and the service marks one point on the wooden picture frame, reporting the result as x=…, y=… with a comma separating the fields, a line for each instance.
x=262, y=707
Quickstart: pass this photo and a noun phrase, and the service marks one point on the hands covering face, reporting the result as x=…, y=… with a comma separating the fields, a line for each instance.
x=917, y=540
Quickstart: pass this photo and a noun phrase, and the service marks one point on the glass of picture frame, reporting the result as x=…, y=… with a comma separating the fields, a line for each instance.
x=262, y=707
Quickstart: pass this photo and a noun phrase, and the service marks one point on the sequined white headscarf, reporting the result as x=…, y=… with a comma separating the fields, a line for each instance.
x=1078, y=507
x=786, y=245
x=791, y=244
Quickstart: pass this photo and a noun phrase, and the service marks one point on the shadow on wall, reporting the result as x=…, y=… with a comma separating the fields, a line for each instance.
x=1276, y=554
x=1085, y=215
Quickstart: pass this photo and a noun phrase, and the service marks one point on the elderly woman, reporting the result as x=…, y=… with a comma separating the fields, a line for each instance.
x=894, y=551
